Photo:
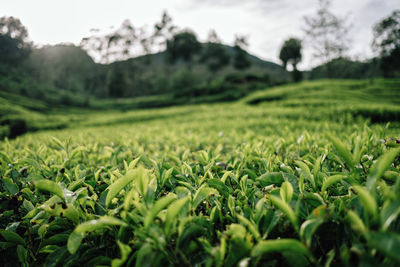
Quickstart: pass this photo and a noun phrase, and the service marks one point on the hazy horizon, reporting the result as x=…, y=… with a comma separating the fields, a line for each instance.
x=266, y=23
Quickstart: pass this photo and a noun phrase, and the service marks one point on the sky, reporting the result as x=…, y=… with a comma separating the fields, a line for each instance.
x=266, y=23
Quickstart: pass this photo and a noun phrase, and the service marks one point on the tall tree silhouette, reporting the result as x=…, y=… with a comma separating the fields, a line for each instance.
x=387, y=43
x=163, y=31
x=14, y=43
x=291, y=54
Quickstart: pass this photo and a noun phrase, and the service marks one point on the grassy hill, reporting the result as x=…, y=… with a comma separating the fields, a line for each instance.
x=339, y=100
x=288, y=176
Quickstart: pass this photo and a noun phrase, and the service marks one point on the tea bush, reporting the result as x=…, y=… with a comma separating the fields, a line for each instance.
x=226, y=184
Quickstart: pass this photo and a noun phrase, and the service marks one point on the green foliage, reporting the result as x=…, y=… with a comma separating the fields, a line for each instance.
x=387, y=43
x=14, y=44
x=118, y=83
x=344, y=68
x=183, y=83
x=240, y=60
x=341, y=98
x=183, y=45
x=290, y=52
x=215, y=56
x=281, y=183
x=65, y=75
x=231, y=87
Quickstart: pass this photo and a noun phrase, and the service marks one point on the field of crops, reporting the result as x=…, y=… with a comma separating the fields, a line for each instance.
x=298, y=175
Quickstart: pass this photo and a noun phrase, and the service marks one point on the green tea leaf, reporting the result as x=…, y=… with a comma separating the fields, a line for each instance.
x=357, y=150
x=367, y=200
x=49, y=186
x=269, y=178
x=342, y=150
x=391, y=176
x=286, y=191
x=331, y=181
x=118, y=185
x=380, y=166
x=173, y=211
x=142, y=256
x=124, y=250
x=220, y=186
x=356, y=222
x=28, y=205
x=142, y=180
x=308, y=229
x=286, y=209
x=22, y=254
x=250, y=225
x=74, y=241
x=12, y=237
x=390, y=212
x=72, y=213
x=10, y=186
x=75, y=238
x=386, y=243
x=202, y=194
x=306, y=172
x=279, y=245
x=317, y=166
x=158, y=206
x=101, y=223
x=49, y=249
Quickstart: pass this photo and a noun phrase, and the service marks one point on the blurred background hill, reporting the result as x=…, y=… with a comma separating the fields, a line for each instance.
x=66, y=75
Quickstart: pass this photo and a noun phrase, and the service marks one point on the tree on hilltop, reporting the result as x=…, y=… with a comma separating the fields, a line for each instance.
x=183, y=45
x=14, y=43
x=163, y=31
x=387, y=43
x=291, y=54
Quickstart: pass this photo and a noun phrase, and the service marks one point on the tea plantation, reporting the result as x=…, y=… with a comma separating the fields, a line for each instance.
x=298, y=175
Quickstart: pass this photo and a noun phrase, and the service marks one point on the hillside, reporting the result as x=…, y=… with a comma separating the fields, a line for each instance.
x=376, y=101
x=297, y=179
x=66, y=75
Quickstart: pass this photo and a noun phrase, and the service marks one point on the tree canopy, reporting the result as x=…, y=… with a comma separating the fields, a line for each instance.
x=291, y=52
x=183, y=45
x=14, y=43
x=387, y=34
x=387, y=43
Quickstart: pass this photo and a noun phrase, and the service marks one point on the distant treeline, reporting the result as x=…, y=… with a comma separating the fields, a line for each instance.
x=173, y=64
x=65, y=74
x=184, y=68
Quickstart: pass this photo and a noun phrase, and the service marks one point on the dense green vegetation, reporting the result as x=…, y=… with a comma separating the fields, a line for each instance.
x=374, y=100
x=175, y=66
x=66, y=75
x=97, y=168
x=302, y=174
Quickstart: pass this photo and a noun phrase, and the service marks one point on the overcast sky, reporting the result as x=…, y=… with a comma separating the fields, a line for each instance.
x=266, y=23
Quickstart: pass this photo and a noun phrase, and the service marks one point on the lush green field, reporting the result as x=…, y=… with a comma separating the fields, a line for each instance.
x=299, y=175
